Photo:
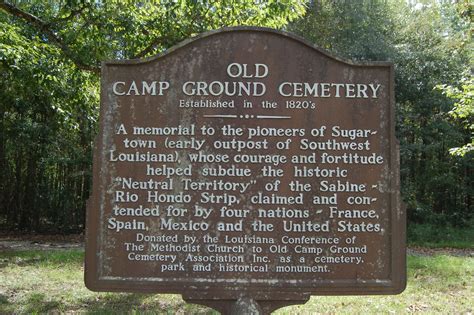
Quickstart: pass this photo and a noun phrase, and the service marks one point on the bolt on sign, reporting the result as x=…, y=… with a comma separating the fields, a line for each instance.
x=246, y=163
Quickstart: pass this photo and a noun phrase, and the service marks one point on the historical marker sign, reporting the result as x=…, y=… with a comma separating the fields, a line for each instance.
x=246, y=162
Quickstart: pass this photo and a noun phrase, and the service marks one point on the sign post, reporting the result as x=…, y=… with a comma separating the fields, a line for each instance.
x=246, y=169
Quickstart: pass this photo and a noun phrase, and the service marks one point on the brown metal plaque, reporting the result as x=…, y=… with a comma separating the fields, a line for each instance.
x=246, y=162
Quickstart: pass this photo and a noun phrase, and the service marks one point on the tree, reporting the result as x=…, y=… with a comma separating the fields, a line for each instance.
x=50, y=55
x=462, y=92
x=463, y=109
x=425, y=42
x=354, y=30
x=88, y=33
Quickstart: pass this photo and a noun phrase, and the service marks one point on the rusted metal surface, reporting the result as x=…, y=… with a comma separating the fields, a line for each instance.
x=345, y=119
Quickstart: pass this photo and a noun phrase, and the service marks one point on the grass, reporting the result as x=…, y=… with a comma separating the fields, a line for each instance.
x=38, y=282
x=436, y=285
x=433, y=236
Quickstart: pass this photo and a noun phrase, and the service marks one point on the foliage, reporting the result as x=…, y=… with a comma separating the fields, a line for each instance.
x=354, y=30
x=437, y=187
x=427, y=43
x=89, y=32
x=463, y=109
x=46, y=131
x=52, y=282
x=50, y=54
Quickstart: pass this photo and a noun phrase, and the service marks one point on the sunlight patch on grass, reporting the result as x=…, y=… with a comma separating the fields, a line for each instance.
x=436, y=285
x=52, y=282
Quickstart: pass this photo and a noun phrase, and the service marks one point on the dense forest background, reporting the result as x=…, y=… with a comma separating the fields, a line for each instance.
x=50, y=56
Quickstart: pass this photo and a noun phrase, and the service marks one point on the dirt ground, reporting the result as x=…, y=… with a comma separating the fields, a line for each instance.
x=58, y=242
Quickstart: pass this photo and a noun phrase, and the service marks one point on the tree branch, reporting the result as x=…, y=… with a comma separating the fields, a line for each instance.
x=150, y=47
x=165, y=40
x=72, y=14
x=44, y=28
